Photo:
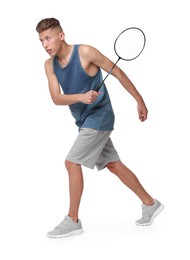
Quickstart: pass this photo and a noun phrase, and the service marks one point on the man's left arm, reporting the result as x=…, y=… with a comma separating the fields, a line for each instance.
x=101, y=61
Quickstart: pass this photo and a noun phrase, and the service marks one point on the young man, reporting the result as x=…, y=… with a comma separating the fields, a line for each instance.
x=77, y=70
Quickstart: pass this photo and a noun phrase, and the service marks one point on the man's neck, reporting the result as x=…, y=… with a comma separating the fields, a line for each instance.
x=65, y=54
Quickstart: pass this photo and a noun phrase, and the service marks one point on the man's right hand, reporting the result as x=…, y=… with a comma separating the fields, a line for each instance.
x=89, y=97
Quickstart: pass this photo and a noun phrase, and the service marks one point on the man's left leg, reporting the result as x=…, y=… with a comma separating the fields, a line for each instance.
x=131, y=181
x=151, y=207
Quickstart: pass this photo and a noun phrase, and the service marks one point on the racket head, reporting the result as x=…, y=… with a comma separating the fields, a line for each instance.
x=130, y=43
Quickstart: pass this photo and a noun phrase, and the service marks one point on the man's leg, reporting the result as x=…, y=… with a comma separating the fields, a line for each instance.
x=75, y=188
x=71, y=225
x=131, y=181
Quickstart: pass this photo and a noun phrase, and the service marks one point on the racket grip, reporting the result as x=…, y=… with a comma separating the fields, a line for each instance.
x=98, y=88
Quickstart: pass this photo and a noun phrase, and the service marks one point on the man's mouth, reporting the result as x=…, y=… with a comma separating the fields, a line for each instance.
x=49, y=51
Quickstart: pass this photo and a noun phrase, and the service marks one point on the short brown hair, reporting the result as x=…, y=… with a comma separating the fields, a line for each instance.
x=47, y=23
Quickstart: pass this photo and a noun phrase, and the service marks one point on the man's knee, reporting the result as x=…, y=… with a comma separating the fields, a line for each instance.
x=69, y=164
x=112, y=166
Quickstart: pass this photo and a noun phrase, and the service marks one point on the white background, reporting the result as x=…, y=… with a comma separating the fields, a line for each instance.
x=35, y=135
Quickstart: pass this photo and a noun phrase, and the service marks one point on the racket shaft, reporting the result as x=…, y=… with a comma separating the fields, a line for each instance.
x=98, y=88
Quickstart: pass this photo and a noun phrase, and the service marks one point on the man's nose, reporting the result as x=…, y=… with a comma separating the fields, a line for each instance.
x=45, y=44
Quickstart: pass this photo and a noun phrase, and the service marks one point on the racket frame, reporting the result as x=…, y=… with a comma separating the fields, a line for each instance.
x=119, y=57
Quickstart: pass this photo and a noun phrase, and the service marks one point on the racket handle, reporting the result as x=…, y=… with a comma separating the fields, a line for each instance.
x=98, y=88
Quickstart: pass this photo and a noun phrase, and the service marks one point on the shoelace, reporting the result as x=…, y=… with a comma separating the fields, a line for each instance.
x=143, y=208
x=64, y=222
x=144, y=213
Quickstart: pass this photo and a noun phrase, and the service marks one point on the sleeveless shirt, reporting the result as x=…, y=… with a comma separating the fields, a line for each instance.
x=73, y=79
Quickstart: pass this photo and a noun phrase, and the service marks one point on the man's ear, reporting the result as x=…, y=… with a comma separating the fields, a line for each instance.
x=62, y=36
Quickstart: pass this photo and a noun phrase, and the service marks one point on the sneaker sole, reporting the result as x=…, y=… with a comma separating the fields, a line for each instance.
x=156, y=213
x=70, y=234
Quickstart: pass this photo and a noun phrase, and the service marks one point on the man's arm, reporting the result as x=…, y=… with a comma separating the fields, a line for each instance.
x=64, y=99
x=99, y=60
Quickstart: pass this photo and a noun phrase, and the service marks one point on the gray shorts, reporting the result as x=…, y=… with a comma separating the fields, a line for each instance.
x=93, y=148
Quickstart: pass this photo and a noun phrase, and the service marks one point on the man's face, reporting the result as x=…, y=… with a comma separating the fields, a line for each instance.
x=51, y=40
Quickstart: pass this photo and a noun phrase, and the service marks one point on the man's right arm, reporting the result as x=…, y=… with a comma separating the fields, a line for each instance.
x=65, y=99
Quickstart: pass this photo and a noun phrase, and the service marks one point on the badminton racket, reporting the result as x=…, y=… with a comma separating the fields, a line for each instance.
x=128, y=45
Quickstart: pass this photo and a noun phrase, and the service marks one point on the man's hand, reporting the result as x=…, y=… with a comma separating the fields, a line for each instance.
x=142, y=111
x=89, y=97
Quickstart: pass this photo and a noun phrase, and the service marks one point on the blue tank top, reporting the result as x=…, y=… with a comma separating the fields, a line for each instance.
x=74, y=80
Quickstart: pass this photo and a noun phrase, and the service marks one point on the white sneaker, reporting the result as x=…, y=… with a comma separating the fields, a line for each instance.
x=149, y=213
x=66, y=228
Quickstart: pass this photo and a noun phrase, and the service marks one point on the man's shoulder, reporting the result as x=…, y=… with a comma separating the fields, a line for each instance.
x=48, y=62
x=48, y=66
x=86, y=49
x=89, y=52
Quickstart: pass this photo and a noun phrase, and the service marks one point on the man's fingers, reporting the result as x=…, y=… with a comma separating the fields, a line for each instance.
x=142, y=116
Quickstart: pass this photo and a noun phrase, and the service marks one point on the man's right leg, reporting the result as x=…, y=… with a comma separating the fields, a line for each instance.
x=75, y=188
x=71, y=225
